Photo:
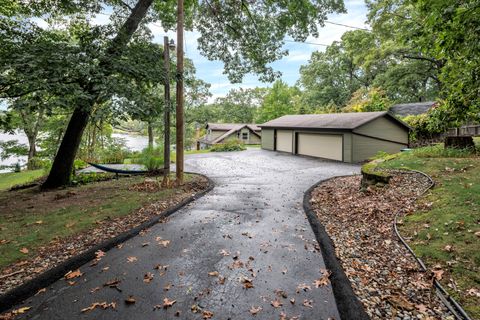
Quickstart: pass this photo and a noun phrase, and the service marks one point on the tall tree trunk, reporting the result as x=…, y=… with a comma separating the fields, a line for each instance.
x=150, y=134
x=63, y=163
x=32, y=133
x=32, y=151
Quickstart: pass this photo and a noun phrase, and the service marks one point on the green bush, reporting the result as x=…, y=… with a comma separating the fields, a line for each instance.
x=152, y=158
x=439, y=151
x=79, y=164
x=85, y=178
x=38, y=163
x=232, y=145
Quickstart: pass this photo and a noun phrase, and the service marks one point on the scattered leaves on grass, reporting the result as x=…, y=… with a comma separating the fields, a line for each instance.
x=102, y=305
x=73, y=274
x=438, y=274
x=254, y=310
x=24, y=250
x=167, y=303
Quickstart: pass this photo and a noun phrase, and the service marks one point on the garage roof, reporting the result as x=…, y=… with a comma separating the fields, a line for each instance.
x=328, y=120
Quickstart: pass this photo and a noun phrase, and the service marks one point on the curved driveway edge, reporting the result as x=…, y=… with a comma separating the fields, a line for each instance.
x=349, y=307
x=31, y=287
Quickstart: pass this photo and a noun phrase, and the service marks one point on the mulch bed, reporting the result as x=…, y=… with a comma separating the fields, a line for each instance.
x=383, y=274
x=62, y=249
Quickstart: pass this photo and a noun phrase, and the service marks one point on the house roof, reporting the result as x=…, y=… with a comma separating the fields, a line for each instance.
x=230, y=126
x=405, y=109
x=347, y=121
x=234, y=128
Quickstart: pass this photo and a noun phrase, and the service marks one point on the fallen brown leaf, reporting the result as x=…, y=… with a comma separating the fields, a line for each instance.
x=207, y=314
x=130, y=300
x=131, y=259
x=323, y=280
x=73, y=274
x=255, y=310
x=307, y=303
x=147, y=277
x=24, y=250
x=168, y=303
x=213, y=274
x=276, y=303
x=102, y=305
x=21, y=310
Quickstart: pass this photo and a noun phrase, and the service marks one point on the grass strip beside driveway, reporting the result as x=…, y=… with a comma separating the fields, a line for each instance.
x=445, y=232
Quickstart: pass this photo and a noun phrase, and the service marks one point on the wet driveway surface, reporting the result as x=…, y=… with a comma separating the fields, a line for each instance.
x=250, y=227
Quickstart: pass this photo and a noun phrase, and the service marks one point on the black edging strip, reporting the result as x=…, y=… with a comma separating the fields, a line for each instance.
x=452, y=305
x=29, y=288
x=349, y=307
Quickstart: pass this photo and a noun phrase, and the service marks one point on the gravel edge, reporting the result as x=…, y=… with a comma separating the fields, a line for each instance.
x=349, y=306
x=29, y=288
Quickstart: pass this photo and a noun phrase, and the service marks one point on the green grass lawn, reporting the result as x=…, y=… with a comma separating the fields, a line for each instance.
x=31, y=219
x=8, y=180
x=444, y=232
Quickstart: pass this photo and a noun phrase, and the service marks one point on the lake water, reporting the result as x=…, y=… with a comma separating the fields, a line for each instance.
x=133, y=142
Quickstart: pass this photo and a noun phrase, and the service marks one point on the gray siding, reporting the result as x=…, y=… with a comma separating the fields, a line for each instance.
x=384, y=128
x=364, y=147
x=267, y=139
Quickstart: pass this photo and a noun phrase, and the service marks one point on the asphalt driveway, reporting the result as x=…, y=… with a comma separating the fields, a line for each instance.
x=250, y=233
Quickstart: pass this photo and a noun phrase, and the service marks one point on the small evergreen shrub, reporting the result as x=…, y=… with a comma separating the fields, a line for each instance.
x=152, y=158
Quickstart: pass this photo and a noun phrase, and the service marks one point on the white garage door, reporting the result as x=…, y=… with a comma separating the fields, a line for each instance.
x=326, y=146
x=284, y=140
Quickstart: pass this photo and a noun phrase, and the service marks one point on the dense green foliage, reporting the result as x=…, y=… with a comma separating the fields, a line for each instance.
x=231, y=145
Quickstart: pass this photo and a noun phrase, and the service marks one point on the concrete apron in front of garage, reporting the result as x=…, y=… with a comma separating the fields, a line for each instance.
x=255, y=210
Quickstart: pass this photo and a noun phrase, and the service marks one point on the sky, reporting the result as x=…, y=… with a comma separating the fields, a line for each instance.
x=299, y=53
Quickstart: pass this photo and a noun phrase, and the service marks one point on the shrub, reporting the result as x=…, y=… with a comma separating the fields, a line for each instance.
x=38, y=163
x=152, y=158
x=232, y=145
x=79, y=164
x=114, y=151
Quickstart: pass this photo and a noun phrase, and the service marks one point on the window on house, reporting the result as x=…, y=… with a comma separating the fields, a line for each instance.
x=244, y=135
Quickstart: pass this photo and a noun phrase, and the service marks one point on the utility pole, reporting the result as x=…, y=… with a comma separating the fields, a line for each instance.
x=166, y=114
x=179, y=109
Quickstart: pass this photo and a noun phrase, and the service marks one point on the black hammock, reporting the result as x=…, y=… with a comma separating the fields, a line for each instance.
x=116, y=171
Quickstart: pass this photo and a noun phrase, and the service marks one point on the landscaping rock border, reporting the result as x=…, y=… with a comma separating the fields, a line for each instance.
x=349, y=307
x=31, y=287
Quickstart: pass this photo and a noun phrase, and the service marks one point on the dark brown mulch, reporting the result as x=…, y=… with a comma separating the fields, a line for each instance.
x=62, y=249
x=383, y=274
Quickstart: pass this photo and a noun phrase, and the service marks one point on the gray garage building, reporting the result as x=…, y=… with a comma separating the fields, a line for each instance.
x=348, y=137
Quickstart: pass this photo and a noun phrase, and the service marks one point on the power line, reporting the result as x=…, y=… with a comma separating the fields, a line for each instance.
x=346, y=25
x=305, y=42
